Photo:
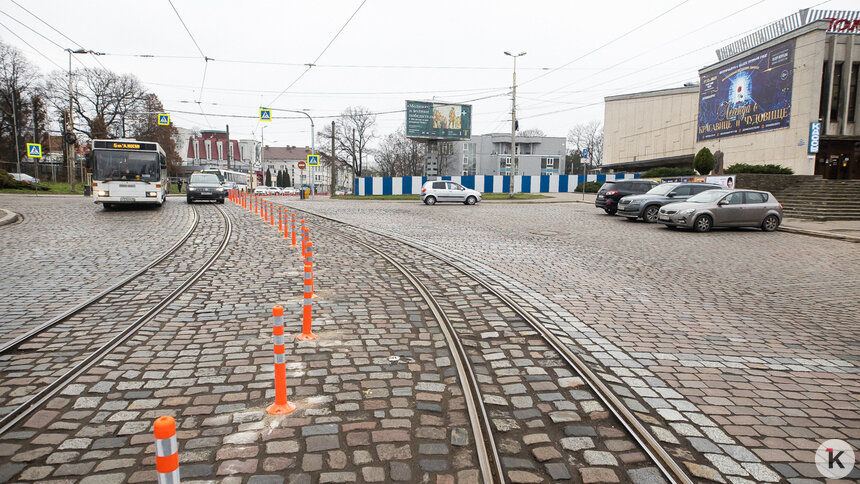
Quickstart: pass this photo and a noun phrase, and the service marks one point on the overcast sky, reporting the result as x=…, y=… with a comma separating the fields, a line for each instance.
x=391, y=51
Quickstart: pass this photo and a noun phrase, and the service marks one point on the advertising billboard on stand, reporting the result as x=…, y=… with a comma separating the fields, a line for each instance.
x=748, y=95
x=442, y=121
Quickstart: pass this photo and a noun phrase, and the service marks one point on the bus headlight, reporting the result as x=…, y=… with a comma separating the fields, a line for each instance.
x=104, y=193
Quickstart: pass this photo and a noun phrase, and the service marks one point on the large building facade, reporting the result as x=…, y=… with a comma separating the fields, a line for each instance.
x=785, y=95
x=490, y=154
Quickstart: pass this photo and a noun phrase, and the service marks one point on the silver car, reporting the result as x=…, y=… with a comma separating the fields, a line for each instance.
x=447, y=191
x=724, y=208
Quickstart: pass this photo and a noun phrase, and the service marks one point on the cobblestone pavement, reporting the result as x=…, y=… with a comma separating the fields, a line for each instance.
x=49, y=355
x=746, y=341
x=66, y=249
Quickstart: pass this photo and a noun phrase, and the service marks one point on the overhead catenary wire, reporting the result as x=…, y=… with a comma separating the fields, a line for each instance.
x=30, y=46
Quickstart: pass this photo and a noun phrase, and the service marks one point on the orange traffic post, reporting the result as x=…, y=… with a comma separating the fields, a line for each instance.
x=307, y=335
x=281, y=405
x=280, y=218
x=302, y=235
x=293, y=230
x=272, y=214
x=309, y=263
x=166, y=450
x=306, y=237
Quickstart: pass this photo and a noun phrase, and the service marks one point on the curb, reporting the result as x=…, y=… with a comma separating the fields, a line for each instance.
x=7, y=217
x=823, y=235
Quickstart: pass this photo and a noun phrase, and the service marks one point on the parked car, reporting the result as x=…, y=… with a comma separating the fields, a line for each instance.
x=22, y=177
x=611, y=192
x=205, y=186
x=724, y=208
x=291, y=191
x=647, y=205
x=264, y=190
x=447, y=191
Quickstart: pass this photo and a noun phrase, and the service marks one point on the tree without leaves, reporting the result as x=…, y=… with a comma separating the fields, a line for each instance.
x=587, y=136
x=144, y=127
x=533, y=132
x=398, y=155
x=19, y=82
x=355, y=129
x=103, y=100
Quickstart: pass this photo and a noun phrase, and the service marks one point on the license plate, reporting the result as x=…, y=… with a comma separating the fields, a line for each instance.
x=600, y=197
x=207, y=192
x=663, y=217
x=126, y=199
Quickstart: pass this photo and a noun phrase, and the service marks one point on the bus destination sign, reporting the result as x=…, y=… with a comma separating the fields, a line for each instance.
x=124, y=145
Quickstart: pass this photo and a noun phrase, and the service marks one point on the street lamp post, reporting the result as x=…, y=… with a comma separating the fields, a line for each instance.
x=514, y=120
x=71, y=147
x=313, y=148
x=262, y=152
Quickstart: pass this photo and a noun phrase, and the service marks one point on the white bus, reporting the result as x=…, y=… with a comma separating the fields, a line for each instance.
x=229, y=178
x=128, y=172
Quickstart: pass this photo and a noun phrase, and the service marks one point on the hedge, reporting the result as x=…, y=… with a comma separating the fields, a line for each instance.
x=765, y=169
x=667, y=172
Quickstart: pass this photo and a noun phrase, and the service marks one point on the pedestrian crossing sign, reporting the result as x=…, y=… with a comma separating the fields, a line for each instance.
x=313, y=160
x=34, y=150
x=163, y=119
x=265, y=114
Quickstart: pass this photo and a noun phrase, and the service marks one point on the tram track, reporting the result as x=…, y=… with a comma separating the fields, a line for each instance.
x=49, y=390
x=666, y=464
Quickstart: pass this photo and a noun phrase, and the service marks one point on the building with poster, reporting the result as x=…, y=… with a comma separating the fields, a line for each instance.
x=785, y=94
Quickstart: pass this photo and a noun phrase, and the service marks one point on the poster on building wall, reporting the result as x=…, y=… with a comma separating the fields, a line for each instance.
x=438, y=121
x=748, y=95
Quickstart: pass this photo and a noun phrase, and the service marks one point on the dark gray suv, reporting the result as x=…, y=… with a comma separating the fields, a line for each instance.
x=647, y=205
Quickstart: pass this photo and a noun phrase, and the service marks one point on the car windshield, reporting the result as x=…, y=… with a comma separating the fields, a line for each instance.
x=662, y=189
x=126, y=165
x=205, y=179
x=707, y=196
x=216, y=173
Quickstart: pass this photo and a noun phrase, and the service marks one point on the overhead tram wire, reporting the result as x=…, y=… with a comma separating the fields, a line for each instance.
x=42, y=36
x=206, y=60
x=40, y=19
x=30, y=46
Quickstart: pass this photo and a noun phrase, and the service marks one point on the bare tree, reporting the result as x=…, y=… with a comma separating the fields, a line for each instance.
x=533, y=132
x=398, y=155
x=587, y=136
x=19, y=95
x=355, y=129
x=102, y=101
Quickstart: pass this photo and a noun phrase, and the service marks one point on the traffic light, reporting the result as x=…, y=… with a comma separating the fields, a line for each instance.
x=70, y=138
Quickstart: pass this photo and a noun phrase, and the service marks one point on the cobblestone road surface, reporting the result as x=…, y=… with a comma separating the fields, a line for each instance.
x=746, y=340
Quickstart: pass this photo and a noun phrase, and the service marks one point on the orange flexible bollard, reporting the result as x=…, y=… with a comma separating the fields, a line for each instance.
x=166, y=450
x=306, y=237
x=293, y=230
x=272, y=214
x=309, y=262
x=280, y=218
x=256, y=204
x=281, y=405
x=307, y=335
x=302, y=235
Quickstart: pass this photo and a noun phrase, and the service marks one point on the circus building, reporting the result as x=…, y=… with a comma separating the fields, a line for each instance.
x=785, y=94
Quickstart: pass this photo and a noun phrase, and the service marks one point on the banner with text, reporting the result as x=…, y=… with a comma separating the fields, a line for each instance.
x=748, y=95
x=438, y=121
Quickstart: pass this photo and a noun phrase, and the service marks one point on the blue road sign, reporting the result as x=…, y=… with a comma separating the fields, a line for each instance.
x=163, y=119
x=265, y=114
x=313, y=160
x=34, y=150
x=585, y=153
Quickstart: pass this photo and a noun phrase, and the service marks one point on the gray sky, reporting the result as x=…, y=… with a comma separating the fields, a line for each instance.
x=391, y=51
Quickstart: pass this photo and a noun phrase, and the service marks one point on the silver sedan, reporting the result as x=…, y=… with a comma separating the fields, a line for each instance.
x=724, y=208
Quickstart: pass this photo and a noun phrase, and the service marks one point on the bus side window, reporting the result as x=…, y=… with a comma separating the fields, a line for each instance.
x=163, y=160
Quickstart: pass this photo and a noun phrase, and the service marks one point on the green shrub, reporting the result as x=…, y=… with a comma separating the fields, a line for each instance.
x=667, y=172
x=766, y=169
x=704, y=162
x=6, y=181
x=590, y=187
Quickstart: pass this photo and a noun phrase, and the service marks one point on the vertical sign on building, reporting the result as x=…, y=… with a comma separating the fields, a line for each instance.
x=814, y=137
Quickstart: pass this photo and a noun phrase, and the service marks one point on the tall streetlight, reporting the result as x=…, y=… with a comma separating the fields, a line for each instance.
x=262, y=152
x=71, y=147
x=514, y=120
x=313, y=149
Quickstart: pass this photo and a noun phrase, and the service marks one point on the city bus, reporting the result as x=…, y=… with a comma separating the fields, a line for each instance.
x=229, y=178
x=128, y=172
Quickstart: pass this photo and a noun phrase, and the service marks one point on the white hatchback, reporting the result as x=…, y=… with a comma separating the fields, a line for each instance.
x=447, y=191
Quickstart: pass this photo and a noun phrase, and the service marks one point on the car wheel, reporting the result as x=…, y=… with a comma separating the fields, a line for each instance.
x=610, y=211
x=632, y=219
x=430, y=200
x=650, y=214
x=188, y=200
x=221, y=200
x=471, y=200
x=702, y=223
x=771, y=222
x=108, y=206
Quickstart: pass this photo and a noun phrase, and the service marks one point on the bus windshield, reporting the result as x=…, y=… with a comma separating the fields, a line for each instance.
x=216, y=173
x=126, y=165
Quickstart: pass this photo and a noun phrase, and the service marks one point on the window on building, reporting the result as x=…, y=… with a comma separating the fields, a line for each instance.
x=220, y=150
x=196, y=150
x=837, y=91
x=822, y=102
x=549, y=165
x=208, y=150
x=470, y=158
x=505, y=165
x=852, y=92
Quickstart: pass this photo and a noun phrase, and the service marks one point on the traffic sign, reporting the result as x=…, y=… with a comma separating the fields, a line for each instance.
x=34, y=150
x=265, y=114
x=301, y=165
x=313, y=160
x=163, y=119
x=585, y=153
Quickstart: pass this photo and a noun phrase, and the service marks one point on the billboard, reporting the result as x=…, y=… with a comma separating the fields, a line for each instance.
x=438, y=120
x=748, y=95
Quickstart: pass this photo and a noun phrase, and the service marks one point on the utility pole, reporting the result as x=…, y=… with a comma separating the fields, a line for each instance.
x=514, y=121
x=35, y=140
x=15, y=129
x=333, y=181
x=229, y=149
x=71, y=146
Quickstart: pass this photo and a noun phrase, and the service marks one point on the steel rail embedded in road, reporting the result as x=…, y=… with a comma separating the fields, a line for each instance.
x=33, y=403
x=11, y=345
x=667, y=465
x=488, y=457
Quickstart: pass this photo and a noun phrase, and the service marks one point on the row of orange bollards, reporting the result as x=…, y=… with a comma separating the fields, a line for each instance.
x=166, y=446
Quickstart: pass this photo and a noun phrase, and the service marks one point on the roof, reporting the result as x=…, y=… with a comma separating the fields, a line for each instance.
x=287, y=153
x=661, y=92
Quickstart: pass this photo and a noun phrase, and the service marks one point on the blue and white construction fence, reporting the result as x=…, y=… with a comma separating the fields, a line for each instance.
x=405, y=185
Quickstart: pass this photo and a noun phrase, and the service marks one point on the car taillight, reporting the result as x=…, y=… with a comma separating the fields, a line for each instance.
x=780, y=204
x=423, y=190
x=613, y=192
